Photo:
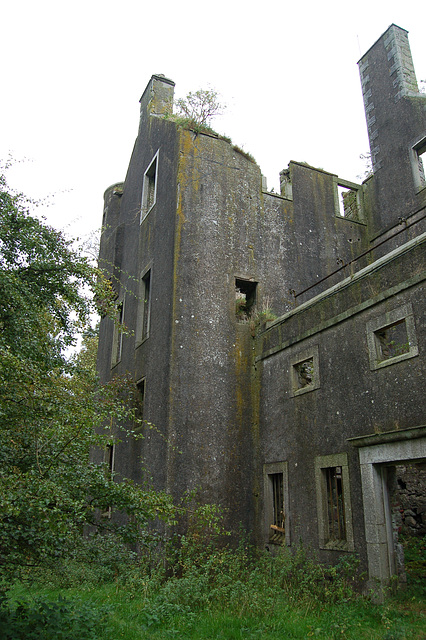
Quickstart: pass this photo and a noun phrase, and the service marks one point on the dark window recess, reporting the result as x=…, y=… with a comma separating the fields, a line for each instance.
x=335, y=504
x=146, y=292
x=117, y=342
x=150, y=185
x=245, y=298
x=140, y=400
x=392, y=341
x=110, y=459
x=304, y=373
x=277, y=528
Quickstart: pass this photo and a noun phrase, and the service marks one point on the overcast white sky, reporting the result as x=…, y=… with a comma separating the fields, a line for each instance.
x=73, y=73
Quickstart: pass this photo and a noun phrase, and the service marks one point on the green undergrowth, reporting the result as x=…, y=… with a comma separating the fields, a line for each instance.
x=207, y=592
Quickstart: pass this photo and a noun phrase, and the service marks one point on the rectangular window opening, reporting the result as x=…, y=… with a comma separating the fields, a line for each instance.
x=277, y=527
x=391, y=337
x=276, y=503
x=335, y=530
x=304, y=373
x=140, y=400
x=144, y=309
x=109, y=458
x=245, y=299
x=392, y=341
x=146, y=286
x=335, y=504
x=149, y=187
x=421, y=160
x=117, y=340
x=348, y=202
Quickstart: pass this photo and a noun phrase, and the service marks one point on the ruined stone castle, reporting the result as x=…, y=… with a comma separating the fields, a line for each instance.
x=277, y=340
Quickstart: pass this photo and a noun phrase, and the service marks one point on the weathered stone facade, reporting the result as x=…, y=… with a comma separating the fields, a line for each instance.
x=290, y=424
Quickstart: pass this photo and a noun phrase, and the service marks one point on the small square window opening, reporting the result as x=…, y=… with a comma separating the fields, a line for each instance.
x=304, y=373
x=392, y=341
x=391, y=337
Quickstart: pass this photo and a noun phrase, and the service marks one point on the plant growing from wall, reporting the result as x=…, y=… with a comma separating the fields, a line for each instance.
x=198, y=108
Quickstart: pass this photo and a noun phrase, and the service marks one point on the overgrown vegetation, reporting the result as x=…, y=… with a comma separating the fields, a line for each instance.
x=213, y=591
x=415, y=563
x=197, y=110
x=53, y=411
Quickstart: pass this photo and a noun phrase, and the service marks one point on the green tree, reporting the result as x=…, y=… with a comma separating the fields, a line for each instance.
x=52, y=409
x=197, y=109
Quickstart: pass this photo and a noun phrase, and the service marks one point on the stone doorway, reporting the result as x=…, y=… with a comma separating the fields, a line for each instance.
x=382, y=460
x=407, y=497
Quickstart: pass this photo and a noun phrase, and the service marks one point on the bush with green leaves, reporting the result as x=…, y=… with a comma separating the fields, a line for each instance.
x=62, y=619
x=53, y=411
x=196, y=110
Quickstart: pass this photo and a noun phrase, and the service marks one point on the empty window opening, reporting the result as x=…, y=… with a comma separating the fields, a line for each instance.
x=140, y=400
x=146, y=286
x=109, y=459
x=392, y=341
x=348, y=202
x=335, y=530
x=117, y=340
x=304, y=373
x=277, y=503
x=421, y=160
x=144, y=309
x=149, y=188
x=335, y=505
x=418, y=164
x=391, y=337
x=277, y=527
x=245, y=299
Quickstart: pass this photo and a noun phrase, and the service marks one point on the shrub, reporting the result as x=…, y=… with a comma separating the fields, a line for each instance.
x=60, y=620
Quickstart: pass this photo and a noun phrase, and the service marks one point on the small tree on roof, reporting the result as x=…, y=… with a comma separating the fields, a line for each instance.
x=198, y=108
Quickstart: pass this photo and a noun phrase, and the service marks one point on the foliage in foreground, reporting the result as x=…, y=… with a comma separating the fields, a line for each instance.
x=220, y=593
x=201, y=588
x=53, y=411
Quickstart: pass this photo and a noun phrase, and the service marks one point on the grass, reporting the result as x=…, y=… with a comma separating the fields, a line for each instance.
x=218, y=594
x=210, y=592
x=133, y=616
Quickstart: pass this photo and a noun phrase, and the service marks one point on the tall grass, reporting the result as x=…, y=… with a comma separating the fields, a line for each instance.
x=204, y=590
